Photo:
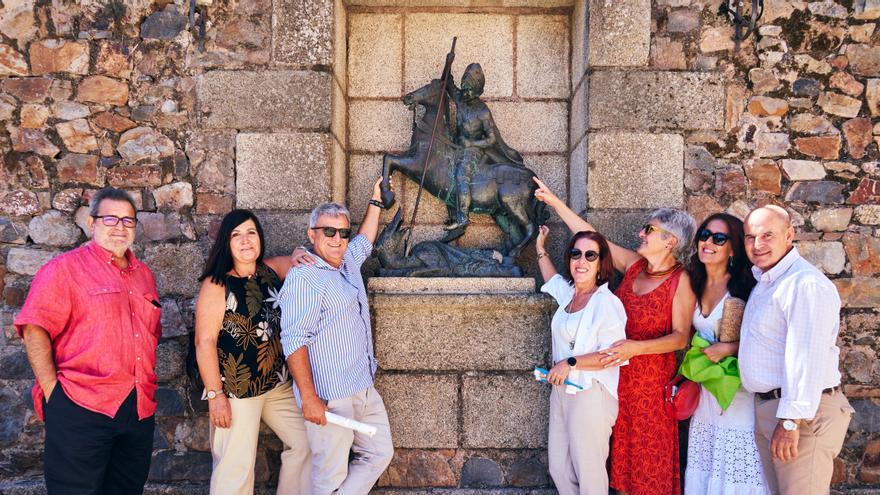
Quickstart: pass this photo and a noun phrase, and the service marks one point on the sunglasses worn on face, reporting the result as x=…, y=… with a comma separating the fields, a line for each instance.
x=718, y=238
x=331, y=232
x=648, y=228
x=112, y=220
x=576, y=254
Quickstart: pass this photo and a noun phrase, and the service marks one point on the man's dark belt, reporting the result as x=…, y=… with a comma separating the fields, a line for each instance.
x=776, y=393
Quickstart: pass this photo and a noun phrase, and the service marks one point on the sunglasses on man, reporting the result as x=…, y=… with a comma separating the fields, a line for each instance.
x=112, y=220
x=718, y=238
x=331, y=232
x=575, y=254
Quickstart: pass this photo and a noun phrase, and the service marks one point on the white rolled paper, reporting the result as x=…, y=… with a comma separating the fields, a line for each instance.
x=357, y=426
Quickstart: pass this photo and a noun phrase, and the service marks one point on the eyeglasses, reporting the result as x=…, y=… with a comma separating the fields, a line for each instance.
x=575, y=254
x=718, y=238
x=331, y=232
x=112, y=220
x=649, y=227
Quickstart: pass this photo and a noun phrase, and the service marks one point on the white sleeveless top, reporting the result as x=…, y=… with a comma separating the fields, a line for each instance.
x=707, y=326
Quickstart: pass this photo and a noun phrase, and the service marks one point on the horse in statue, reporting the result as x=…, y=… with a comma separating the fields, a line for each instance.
x=505, y=191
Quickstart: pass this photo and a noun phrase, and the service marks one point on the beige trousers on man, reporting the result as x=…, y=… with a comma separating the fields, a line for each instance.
x=577, y=444
x=821, y=439
x=331, y=445
x=235, y=448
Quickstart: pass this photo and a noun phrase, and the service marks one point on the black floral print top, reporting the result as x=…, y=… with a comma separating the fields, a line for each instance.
x=249, y=345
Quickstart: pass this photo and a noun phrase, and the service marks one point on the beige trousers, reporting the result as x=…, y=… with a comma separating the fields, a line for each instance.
x=235, y=448
x=578, y=439
x=821, y=439
x=331, y=445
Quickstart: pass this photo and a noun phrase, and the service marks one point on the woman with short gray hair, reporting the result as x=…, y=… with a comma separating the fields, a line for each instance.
x=659, y=302
x=680, y=224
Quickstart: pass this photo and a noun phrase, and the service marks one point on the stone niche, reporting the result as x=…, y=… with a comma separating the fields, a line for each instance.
x=456, y=355
x=590, y=136
x=394, y=47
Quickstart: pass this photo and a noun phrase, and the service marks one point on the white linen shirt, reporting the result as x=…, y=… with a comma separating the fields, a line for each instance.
x=789, y=336
x=598, y=325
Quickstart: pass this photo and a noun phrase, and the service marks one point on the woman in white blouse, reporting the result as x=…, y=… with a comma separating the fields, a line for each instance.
x=590, y=317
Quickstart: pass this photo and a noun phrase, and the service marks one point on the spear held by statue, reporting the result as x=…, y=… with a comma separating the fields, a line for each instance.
x=447, y=68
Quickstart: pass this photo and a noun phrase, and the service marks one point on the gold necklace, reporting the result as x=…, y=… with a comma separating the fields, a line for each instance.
x=661, y=273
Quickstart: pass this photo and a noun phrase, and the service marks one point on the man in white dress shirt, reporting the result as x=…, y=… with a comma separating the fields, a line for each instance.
x=789, y=359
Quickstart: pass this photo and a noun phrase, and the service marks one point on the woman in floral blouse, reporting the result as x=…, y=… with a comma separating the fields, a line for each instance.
x=238, y=349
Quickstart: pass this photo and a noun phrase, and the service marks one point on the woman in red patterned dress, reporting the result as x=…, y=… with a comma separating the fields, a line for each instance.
x=659, y=303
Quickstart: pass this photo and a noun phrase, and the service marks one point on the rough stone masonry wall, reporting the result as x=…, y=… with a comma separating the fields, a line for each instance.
x=790, y=119
x=119, y=93
x=269, y=115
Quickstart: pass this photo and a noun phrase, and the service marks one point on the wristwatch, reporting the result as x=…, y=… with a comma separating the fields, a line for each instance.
x=572, y=361
x=789, y=425
x=211, y=394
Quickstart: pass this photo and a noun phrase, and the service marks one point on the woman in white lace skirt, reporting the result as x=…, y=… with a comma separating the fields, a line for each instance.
x=722, y=455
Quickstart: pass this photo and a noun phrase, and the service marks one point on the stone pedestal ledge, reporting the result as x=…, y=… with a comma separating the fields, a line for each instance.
x=461, y=325
x=448, y=285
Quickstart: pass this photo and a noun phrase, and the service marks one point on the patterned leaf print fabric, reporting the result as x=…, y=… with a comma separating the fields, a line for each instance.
x=249, y=345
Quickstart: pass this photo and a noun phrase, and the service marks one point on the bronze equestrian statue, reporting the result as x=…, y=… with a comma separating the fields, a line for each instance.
x=469, y=168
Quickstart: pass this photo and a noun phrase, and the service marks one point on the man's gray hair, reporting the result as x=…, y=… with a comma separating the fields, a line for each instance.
x=681, y=225
x=330, y=209
x=109, y=193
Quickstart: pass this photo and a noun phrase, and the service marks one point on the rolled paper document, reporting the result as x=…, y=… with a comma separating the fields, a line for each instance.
x=357, y=426
x=731, y=319
x=541, y=376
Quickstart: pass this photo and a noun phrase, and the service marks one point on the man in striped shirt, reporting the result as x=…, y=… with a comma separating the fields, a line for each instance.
x=327, y=340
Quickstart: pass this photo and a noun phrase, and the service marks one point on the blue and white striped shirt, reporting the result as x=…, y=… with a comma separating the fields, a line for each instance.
x=325, y=309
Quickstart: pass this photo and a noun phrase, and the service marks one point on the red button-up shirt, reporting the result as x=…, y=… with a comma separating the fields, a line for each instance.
x=103, y=325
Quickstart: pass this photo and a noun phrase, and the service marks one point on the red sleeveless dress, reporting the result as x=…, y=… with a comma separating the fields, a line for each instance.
x=644, y=442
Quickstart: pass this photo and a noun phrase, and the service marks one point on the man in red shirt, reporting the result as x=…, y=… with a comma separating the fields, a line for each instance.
x=90, y=325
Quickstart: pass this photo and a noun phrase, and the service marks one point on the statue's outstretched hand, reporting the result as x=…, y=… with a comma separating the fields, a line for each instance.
x=543, y=193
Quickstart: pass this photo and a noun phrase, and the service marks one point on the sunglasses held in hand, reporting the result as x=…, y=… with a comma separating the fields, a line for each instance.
x=331, y=232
